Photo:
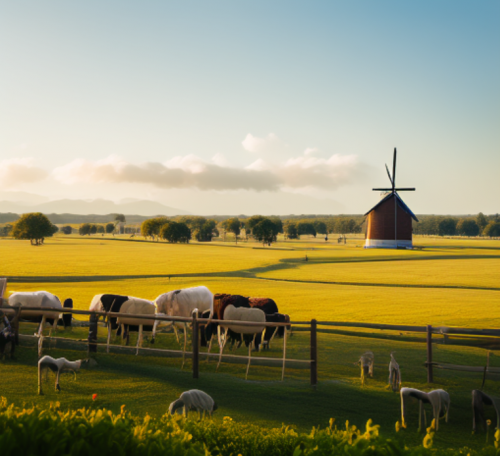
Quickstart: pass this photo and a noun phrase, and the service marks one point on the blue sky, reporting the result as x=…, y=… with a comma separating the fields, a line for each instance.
x=246, y=107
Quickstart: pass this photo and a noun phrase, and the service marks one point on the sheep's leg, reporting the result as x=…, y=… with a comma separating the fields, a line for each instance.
x=221, y=347
x=58, y=388
x=109, y=336
x=250, y=346
x=284, y=356
x=40, y=392
x=139, y=340
x=421, y=416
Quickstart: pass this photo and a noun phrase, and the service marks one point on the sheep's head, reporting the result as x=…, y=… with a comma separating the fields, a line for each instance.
x=215, y=407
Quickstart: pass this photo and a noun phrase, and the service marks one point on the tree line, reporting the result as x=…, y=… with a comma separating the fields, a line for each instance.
x=458, y=226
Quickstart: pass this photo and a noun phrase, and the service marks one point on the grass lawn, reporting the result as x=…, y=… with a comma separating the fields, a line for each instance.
x=338, y=282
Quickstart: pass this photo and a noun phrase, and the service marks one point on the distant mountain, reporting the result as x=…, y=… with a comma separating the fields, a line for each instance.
x=100, y=206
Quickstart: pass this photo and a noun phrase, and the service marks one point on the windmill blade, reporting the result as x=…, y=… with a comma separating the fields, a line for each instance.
x=382, y=189
x=394, y=170
x=389, y=174
x=404, y=189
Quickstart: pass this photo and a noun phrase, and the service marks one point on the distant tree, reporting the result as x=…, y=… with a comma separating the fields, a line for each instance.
x=100, y=229
x=492, y=229
x=447, y=227
x=6, y=230
x=481, y=221
x=93, y=229
x=291, y=230
x=251, y=222
x=278, y=223
x=151, y=227
x=66, y=229
x=175, y=232
x=34, y=226
x=207, y=231
x=306, y=228
x=467, y=227
x=84, y=229
x=265, y=231
x=320, y=227
x=234, y=226
x=120, y=218
x=110, y=227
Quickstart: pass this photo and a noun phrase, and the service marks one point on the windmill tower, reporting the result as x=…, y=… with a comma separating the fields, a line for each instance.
x=389, y=224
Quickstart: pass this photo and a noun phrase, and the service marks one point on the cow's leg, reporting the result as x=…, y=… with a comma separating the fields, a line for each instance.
x=40, y=337
x=41, y=326
x=209, y=347
x=250, y=346
x=53, y=327
x=176, y=332
x=273, y=336
x=139, y=340
x=109, y=336
x=127, y=337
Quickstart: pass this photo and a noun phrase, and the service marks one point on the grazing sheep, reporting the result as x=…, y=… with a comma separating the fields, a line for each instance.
x=394, y=374
x=38, y=299
x=182, y=303
x=439, y=400
x=195, y=400
x=479, y=400
x=58, y=365
x=125, y=305
x=240, y=314
x=366, y=362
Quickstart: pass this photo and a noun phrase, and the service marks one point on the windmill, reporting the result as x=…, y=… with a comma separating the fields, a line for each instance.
x=387, y=226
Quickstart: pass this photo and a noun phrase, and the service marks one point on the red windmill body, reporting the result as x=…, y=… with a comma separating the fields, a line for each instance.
x=389, y=223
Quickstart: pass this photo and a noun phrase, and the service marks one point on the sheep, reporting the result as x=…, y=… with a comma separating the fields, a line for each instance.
x=366, y=361
x=58, y=365
x=439, y=400
x=240, y=314
x=124, y=304
x=479, y=400
x=394, y=374
x=195, y=400
x=38, y=299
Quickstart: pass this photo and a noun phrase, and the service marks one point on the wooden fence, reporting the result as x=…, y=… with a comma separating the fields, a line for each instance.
x=312, y=326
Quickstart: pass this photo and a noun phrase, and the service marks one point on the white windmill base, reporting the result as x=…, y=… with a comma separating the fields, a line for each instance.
x=388, y=244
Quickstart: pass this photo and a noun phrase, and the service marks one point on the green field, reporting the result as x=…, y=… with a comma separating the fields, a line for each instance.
x=444, y=282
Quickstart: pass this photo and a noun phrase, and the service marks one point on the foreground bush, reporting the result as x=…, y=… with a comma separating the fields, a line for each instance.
x=86, y=431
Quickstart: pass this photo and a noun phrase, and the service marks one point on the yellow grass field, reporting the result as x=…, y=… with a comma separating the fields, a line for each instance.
x=444, y=282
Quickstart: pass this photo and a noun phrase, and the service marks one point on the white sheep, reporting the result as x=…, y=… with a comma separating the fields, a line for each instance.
x=58, y=365
x=394, y=374
x=194, y=400
x=366, y=362
x=439, y=400
x=251, y=314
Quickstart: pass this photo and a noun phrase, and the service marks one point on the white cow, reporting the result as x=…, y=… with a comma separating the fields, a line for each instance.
x=182, y=303
x=38, y=299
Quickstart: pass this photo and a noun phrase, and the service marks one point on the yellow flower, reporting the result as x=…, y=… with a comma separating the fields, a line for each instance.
x=398, y=426
x=428, y=441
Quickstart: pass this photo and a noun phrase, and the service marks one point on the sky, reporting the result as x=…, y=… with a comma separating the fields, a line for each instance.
x=219, y=107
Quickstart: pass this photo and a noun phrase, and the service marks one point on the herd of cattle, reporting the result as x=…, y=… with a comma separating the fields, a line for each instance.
x=178, y=303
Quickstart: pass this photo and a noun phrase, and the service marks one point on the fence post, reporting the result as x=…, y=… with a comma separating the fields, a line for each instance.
x=196, y=347
x=430, y=377
x=314, y=353
x=93, y=332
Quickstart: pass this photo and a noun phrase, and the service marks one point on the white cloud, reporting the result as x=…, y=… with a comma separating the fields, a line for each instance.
x=190, y=171
x=258, y=145
x=14, y=172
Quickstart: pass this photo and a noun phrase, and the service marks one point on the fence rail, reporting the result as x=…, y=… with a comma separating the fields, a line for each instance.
x=312, y=326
